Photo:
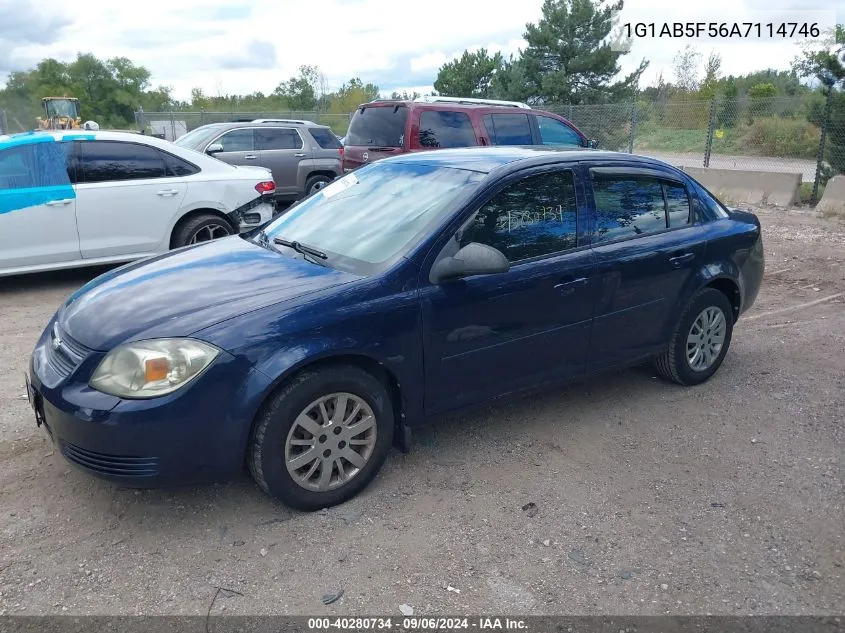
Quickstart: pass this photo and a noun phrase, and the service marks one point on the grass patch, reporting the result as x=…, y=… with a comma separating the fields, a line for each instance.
x=806, y=192
x=771, y=136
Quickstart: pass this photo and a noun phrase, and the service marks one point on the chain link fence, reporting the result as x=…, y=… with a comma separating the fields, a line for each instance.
x=803, y=134
x=172, y=125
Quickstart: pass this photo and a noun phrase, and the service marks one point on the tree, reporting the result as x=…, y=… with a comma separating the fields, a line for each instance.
x=827, y=64
x=569, y=58
x=404, y=95
x=470, y=75
x=686, y=69
x=302, y=93
x=351, y=95
x=761, y=100
x=729, y=109
x=711, y=76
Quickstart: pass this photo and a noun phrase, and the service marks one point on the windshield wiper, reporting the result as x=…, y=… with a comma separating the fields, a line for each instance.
x=299, y=247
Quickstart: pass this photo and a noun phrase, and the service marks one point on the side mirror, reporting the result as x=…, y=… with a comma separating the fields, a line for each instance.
x=472, y=259
x=214, y=148
x=593, y=143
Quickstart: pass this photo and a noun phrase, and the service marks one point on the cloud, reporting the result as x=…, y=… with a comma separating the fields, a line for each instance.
x=256, y=54
x=233, y=12
x=213, y=43
x=23, y=24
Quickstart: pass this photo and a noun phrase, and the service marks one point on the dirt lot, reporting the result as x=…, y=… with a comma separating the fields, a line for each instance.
x=650, y=498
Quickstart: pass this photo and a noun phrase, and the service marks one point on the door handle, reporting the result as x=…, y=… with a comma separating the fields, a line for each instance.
x=250, y=157
x=299, y=155
x=568, y=287
x=59, y=203
x=167, y=192
x=679, y=260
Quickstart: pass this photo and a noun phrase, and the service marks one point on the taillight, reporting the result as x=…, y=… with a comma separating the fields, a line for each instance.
x=340, y=152
x=268, y=186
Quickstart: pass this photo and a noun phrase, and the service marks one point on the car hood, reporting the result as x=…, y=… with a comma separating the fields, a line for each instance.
x=183, y=291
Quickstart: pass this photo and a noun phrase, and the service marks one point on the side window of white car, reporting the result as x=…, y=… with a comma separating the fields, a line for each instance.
x=106, y=161
x=36, y=165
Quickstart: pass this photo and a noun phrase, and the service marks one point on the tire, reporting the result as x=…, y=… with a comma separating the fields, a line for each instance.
x=204, y=224
x=315, y=183
x=674, y=364
x=277, y=429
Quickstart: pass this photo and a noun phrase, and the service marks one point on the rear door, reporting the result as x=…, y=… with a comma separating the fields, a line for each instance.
x=281, y=149
x=508, y=128
x=440, y=129
x=376, y=131
x=647, y=243
x=37, y=204
x=126, y=199
x=238, y=147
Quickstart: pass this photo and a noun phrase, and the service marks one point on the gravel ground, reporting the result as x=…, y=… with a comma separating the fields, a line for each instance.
x=648, y=498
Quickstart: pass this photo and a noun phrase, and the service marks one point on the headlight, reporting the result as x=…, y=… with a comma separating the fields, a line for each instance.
x=146, y=369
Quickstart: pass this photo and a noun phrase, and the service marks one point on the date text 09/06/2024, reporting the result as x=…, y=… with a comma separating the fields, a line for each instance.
x=757, y=30
x=416, y=624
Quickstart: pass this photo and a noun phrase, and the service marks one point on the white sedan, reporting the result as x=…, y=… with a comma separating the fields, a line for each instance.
x=71, y=199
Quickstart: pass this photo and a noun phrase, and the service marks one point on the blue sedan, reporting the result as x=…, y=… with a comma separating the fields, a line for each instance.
x=413, y=286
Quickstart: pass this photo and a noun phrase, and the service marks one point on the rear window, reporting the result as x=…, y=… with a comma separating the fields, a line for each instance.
x=324, y=137
x=446, y=129
x=379, y=126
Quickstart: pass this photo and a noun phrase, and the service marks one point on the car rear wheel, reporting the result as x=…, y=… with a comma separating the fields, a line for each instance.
x=322, y=438
x=201, y=228
x=315, y=183
x=700, y=340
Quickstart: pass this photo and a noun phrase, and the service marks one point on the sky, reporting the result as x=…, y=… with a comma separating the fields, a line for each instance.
x=243, y=46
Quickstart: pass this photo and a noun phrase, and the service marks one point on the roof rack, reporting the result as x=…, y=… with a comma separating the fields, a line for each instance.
x=296, y=121
x=473, y=101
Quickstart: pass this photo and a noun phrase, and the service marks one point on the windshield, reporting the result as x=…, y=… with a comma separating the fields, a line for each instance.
x=380, y=126
x=375, y=214
x=195, y=139
x=62, y=107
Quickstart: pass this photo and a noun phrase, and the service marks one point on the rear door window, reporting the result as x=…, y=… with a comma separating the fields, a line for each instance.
x=554, y=132
x=631, y=205
x=378, y=126
x=677, y=205
x=508, y=129
x=277, y=138
x=324, y=138
x=105, y=161
x=446, y=129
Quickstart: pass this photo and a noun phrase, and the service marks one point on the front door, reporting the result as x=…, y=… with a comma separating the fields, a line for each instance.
x=281, y=150
x=37, y=204
x=647, y=245
x=493, y=334
x=238, y=147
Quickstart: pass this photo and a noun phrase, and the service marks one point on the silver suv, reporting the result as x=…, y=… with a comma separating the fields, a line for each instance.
x=303, y=156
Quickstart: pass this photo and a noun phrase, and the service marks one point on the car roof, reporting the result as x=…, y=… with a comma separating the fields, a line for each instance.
x=229, y=125
x=41, y=136
x=487, y=159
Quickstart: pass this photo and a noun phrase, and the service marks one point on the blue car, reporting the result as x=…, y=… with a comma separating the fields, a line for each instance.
x=414, y=286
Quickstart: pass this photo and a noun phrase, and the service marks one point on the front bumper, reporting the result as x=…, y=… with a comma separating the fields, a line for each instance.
x=197, y=434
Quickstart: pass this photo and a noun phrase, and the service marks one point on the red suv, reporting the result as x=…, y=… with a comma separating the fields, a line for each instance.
x=385, y=128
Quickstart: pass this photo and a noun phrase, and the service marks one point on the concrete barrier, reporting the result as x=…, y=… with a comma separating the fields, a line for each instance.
x=739, y=186
x=833, y=198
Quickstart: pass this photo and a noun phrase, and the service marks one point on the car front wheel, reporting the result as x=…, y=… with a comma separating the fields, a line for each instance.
x=700, y=340
x=322, y=438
